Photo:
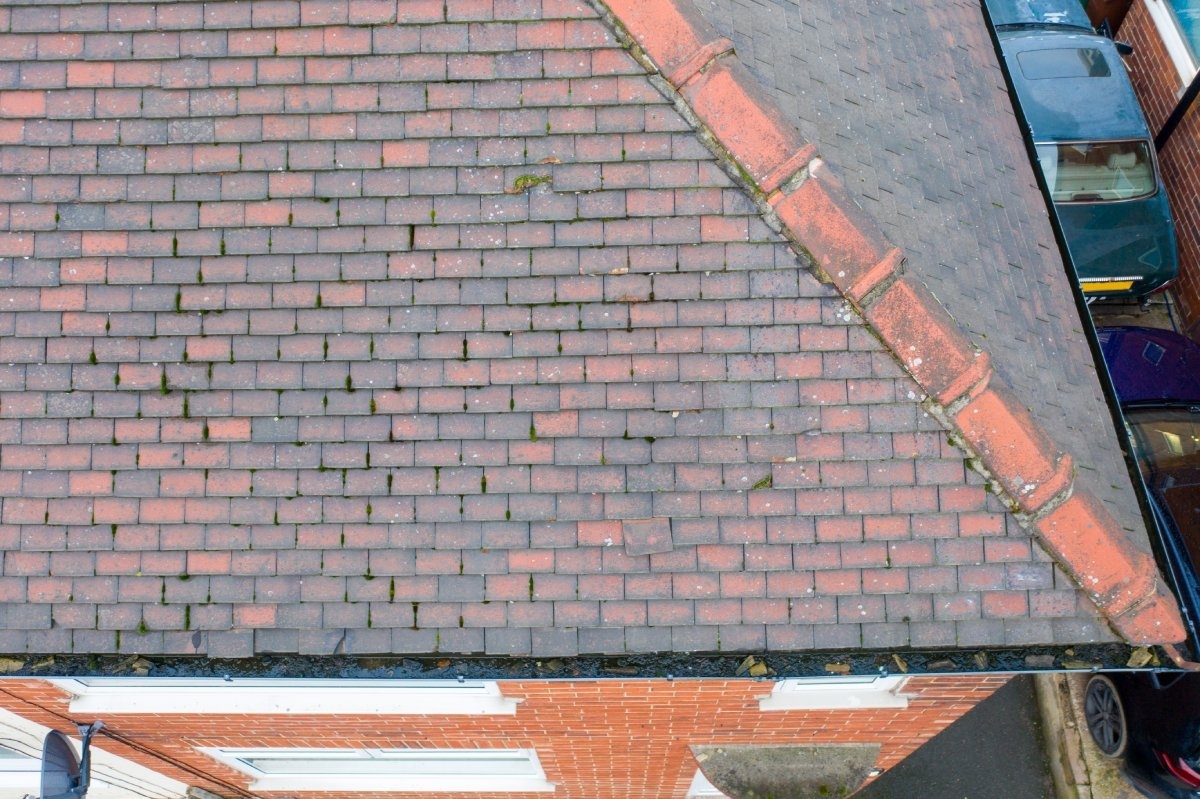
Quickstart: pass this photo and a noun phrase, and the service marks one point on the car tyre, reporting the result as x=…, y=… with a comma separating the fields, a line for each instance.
x=1105, y=716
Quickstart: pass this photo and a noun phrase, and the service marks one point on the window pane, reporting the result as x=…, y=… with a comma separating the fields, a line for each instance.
x=15, y=761
x=1073, y=62
x=1187, y=17
x=1167, y=442
x=1097, y=171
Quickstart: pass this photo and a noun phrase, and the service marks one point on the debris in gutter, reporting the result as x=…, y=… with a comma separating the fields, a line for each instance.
x=1142, y=656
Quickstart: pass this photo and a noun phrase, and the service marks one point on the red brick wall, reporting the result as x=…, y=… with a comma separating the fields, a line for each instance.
x=1157, y=84
x=609, y=739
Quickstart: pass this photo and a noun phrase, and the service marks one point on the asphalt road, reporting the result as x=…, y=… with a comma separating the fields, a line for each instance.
x=993, y=752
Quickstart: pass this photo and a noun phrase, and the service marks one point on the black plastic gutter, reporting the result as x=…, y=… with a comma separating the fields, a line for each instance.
x=661, y=665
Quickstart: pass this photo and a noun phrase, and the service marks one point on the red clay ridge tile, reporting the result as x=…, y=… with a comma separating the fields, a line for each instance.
x=699, y=60
x=722, y=93
x=1013, y=448
x=1120, y=579
x=674, y=35
x=1152, y=621
x=927, y=341
x=747, y=123
x=837, y=233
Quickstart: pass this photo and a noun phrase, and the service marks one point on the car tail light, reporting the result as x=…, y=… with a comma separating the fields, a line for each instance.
x=1180, y=768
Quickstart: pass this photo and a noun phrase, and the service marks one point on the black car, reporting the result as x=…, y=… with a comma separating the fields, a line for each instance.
x=1156, y=376
x=1152, y=721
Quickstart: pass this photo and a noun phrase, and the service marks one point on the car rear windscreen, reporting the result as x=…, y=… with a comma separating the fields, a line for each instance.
x=1097, y=171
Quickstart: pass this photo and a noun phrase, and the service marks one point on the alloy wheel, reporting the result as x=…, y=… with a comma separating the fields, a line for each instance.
x=1105, y=716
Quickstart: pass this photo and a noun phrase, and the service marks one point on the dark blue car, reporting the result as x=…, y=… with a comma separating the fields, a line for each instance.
x=1152, y=721
x=1156, y=376
x=1093, y=146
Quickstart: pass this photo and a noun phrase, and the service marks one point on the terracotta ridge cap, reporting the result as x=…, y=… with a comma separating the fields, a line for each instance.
x=803, y=200
x=698, y=61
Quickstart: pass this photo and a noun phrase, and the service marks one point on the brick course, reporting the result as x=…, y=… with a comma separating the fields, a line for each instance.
x=637, y=742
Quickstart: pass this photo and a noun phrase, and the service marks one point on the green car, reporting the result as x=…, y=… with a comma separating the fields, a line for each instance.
x=1093, y=146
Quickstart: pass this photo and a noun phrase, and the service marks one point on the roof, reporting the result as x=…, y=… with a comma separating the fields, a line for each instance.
x=329, y=330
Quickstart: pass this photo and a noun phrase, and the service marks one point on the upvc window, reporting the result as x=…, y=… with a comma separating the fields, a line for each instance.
x=1178, y=23
x=836, y=693
x=97, y=695
x=394, y=770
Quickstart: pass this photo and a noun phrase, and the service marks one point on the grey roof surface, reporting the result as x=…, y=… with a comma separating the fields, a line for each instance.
x=338, y=332
x=906, y=99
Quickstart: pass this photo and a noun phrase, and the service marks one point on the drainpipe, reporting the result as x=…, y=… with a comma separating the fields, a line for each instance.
x=1181, y=109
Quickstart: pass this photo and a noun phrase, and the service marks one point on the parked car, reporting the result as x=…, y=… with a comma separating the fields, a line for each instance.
x=1156, y=377
x=1151, y=720
x=1093, y=146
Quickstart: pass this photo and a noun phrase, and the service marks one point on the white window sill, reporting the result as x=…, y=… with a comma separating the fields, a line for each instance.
x=114, y=695
x=836, y=693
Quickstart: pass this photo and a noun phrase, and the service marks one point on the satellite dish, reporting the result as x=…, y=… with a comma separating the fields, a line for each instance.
x=61, y=776
x=64, y=774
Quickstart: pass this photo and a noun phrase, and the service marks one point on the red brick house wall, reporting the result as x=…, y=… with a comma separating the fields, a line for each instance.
x=605, y=739
x=1157, y=84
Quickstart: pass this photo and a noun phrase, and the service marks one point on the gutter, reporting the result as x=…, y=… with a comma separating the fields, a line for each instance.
x=779, y=665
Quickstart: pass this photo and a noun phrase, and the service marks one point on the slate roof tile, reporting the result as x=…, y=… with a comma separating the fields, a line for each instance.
x=467, y=343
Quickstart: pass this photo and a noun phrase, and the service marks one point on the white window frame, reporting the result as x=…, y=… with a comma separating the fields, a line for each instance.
x=468, y=776
x=19, y=772
x=112, y=695
x=1181, y=55
x=851, y=692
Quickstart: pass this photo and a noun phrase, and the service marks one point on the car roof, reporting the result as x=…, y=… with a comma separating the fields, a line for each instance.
x=1151, y=365
x=1072, y=105
x=1066, y=13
